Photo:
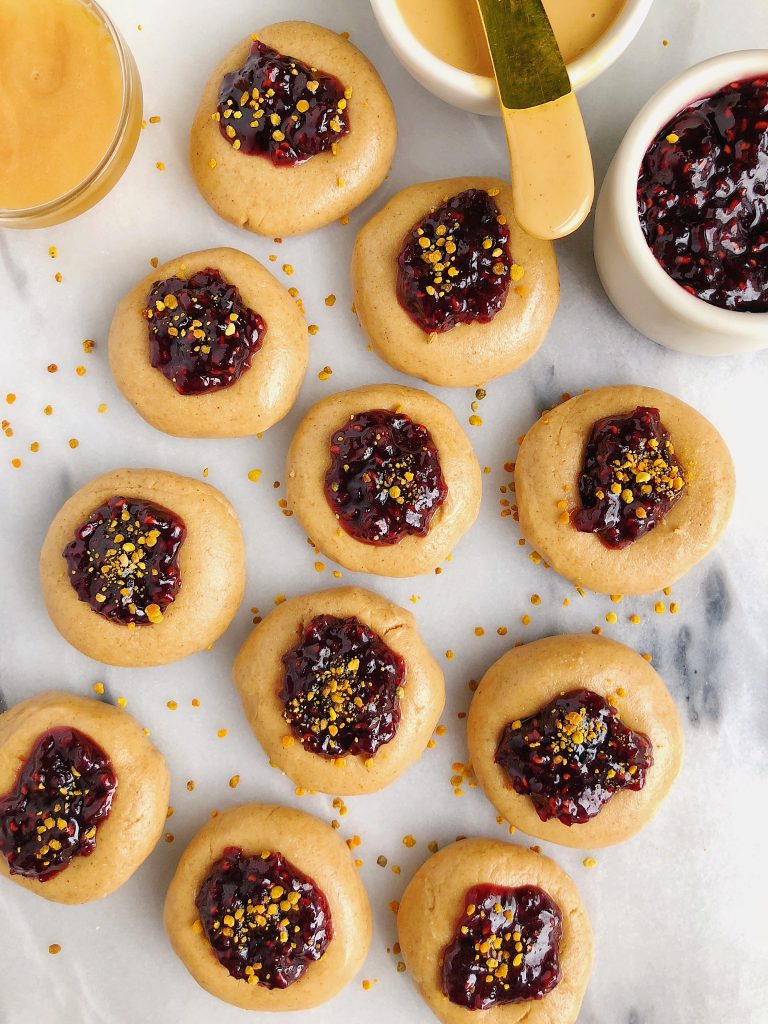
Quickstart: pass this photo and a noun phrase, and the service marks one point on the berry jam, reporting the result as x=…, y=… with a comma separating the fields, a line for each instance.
x=572, y=756
x=454, y=267
x=201, y=336
x=384, y=481
x=341, y=693
x=265, y=920
x=281, y=108
x=702, y=197
x=506, y=948
x=630, y=479
x=64, y=791
x=124, y=560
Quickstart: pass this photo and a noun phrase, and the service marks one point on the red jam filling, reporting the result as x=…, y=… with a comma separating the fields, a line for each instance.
x=384, y=481
x=123, y=560
x=454, y=267
x=279, y=107
x=264, y=919
x=630, y=479
x=506, y=948
x=63, y=792
x=201, y=335
x=572, y=756
x=702, y=197
x=342, y=687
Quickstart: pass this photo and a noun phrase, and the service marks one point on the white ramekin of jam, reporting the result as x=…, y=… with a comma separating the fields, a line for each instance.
x=441, y=43
x=70, y=109
x=681, y=227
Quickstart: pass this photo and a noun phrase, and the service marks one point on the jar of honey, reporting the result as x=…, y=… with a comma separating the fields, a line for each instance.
x=70, y=109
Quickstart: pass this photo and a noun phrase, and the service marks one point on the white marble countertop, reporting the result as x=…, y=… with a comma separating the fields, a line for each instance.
x=679, y=912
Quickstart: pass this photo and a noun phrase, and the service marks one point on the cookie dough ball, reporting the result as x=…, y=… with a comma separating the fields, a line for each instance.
x=220, y=919
x=448, y=287
x=340, y=690
x=209, y=345
x=294, y=130
x=383, y=479
x=623, y=489
x=142, y=567
x=537, y=965
x=83, y=797
x=575, y=739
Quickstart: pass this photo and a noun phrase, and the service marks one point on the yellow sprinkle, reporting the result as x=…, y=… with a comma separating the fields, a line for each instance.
x=212, y=163
x=516, y=272
x=313, y=329
x=659, y=608
x=160, y=165
x=54, y=948
x=73, y=442
x=171, y=705
x=674, y=608
x=121, y=702
x=673, y=137
x=611, y=617
x=319, y=566
x=153, y=613
x=254, y=476
x=53, y=252
x=234, y=782
x=475, y=421
x=287, y=269
x=98, y=688
x=154, y=119
x=221, y=733
x=589, y=862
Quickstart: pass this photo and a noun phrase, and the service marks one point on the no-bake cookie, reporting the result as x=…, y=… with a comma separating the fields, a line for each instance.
x=209, y=345
x=448, y=287
x=83, y=797
x=495, y=932
x=340, y=690
x=575, y=739
x=295, y=129
x=267, y=911
x=383, y=479
x=623, y=489
x=143, y=567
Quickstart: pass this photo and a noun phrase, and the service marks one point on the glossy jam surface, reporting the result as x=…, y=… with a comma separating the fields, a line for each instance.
x=384, y=481
x=630, y=479
x=279, y=107
x=63, y=792
x=201, y=335
x=506, y=948
x=454, y=267
x=342, y=686
x=572, y=756
x=123, y=560
x=264, y=919
x=702, y=197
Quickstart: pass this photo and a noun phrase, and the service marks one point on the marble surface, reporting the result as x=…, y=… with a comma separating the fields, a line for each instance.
x=679, y=912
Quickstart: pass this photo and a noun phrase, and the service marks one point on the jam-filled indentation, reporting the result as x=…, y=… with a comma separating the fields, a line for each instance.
x=572, y=755
x=630, y=480
x=455, y=266
x=384, y=481
x=506, y=948
x=266, y=922
x=63, y=792
x=202, y=337
x=124, y=560
x=281, y=108
x=342, y=687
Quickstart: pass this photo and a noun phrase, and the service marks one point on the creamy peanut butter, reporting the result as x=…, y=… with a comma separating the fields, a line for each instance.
x=453, y=31
x=61, y=98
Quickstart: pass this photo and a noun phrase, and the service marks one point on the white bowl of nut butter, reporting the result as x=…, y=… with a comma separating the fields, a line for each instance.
x=442, y=43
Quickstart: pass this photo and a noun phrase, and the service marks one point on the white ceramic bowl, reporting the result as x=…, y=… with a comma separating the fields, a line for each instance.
x=637, y=285
x=477, y=92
